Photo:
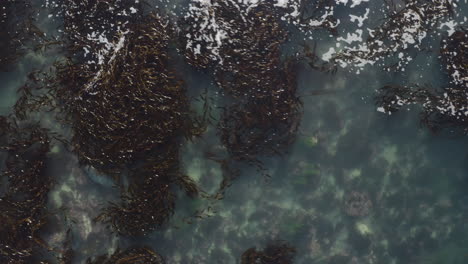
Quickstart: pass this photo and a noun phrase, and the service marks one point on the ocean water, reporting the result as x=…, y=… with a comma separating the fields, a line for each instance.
x=416, y=180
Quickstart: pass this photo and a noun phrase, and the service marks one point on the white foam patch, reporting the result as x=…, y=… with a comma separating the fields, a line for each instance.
x=354, y=3
x=451, y=25
x=360, y=19
x=329, y=54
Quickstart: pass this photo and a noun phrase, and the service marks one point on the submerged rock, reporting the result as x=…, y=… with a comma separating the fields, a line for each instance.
x=272, y=254
x=141, y=255
x=357, y=204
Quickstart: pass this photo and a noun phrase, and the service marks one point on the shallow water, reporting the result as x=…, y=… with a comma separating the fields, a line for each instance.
x=416, y=180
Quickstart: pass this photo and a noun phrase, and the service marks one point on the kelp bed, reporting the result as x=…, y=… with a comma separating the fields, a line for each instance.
x=129, y=112
x=139, y=114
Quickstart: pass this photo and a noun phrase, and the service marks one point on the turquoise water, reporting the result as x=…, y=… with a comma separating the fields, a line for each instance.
x=416, y=180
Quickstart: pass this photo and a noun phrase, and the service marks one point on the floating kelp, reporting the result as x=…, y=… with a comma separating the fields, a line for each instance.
x=33, y=97
x=149, y=201
x=128, y=111
x=27, y=185
x=142, y=255
x=278, y=253
x=93, y=28
x=440, y=108
x=402, y=32
x=101, y=30
x=131, y=106
x=244, y=51
x=129, y=114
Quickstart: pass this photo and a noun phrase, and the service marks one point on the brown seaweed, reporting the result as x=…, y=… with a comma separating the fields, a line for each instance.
x=138, y=83
x=129, y=117
x=87, y=36
x=126, y=107
x=149, y=201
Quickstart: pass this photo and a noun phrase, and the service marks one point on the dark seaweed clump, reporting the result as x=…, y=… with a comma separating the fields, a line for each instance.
x=87, y=41
x=149, y=201
x=91, y=26
x=134, y=102
x=24, y=189
x=262, y=111
x=127, y=109
x=272, y=254
x=130, y=256
x=443, y=108
x=130, y=117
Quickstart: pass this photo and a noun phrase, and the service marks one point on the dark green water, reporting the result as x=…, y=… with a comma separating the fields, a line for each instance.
x=417, y=181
